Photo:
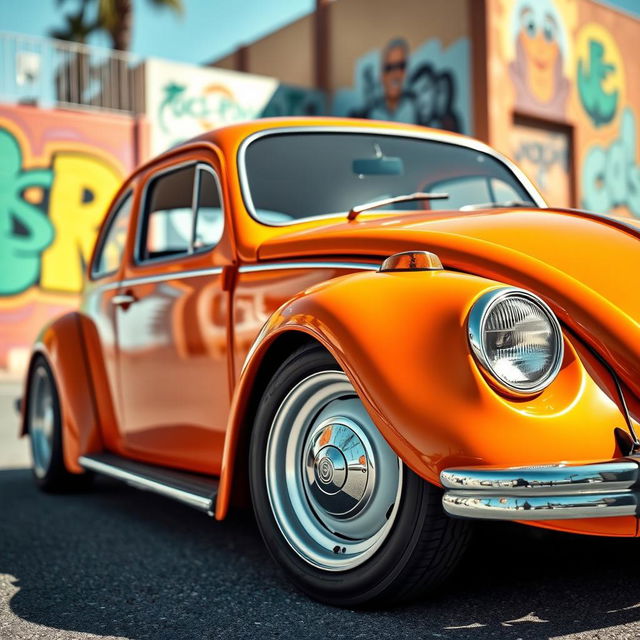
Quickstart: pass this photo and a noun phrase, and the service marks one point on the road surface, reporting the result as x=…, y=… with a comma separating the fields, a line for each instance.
x=118, y=563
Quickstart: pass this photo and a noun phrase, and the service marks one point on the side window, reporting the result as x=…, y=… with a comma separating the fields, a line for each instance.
x=168, y=217
x=209, y=215
x=111, y=248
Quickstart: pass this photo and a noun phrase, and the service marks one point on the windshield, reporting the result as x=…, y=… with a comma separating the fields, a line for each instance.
x=294, y=176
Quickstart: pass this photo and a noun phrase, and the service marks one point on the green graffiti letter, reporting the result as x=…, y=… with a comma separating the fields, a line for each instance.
x=25, y=232
x=599, y=105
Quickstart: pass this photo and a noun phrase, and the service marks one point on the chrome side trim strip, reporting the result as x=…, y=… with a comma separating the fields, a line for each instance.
x=139, y=482
x=547, y=492
x=597, y=505
x=161, y=277
x=274, y=266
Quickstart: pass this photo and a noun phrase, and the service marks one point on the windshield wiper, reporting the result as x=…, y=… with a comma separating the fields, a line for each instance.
x=353, y=213
x=498, y=205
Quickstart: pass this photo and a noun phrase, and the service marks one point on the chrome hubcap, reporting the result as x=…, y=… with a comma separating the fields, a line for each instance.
x=339, y=470
x=333, y=482
x=41, y=421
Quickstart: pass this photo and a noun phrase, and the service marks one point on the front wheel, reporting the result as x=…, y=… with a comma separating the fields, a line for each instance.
x=348, y=522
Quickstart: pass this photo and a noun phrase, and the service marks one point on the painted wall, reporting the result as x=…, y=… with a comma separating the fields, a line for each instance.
x=570, y=66
x=182, y=101
x=58, y=173
x=410, y=65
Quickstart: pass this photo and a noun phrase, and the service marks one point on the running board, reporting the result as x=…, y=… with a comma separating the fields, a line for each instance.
x=196, y=490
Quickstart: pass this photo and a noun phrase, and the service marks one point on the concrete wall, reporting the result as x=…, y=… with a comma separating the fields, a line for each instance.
x=290, y=50
x=59, y=170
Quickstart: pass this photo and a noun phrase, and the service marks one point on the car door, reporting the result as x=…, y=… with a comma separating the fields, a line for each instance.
x=172, y=317
x=100, y=291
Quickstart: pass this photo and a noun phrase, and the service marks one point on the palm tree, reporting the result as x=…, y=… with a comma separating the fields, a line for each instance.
x=116, y=18
x=72, y=75
x=76, y=28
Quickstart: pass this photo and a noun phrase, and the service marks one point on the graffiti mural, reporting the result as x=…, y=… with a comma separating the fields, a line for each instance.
x=543, y=154
x=541, y=51
x=58, y=173
x=183, y=101
x=600, y=74
x=611, y=175
x=564, y=66
x=25, y=231
x=429, y=86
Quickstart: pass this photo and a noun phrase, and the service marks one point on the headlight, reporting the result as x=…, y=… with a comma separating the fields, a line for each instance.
x=516, y=339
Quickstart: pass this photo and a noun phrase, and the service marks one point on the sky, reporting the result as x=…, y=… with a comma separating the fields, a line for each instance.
x=208, y=29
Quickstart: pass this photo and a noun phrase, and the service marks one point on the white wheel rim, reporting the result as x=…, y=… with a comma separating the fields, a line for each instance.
x=333, y=482
x=41, y=420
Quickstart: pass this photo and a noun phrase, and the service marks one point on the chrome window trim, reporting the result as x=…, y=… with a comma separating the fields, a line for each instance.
x=198, y=166
x=276, y=266
x=106, y=227
x=475, y=330
x=446, y=138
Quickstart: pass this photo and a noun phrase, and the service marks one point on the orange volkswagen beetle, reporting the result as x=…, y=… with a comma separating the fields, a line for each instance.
x=375, y=331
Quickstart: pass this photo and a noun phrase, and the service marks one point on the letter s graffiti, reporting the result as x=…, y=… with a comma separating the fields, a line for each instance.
x=610, y=176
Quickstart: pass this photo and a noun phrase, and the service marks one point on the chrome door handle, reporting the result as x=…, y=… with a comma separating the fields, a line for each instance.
x=122, y=299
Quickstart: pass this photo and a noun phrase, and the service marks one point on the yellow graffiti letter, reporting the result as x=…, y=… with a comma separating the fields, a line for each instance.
x=82, y=187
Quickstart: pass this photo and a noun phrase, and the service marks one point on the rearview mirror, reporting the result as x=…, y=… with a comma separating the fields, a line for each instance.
x=378, y=166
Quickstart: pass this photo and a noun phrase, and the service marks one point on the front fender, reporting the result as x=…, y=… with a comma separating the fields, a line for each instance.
x=401, y=339
x=61, y=343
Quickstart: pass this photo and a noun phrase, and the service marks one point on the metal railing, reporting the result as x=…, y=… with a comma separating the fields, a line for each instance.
x=50, y=72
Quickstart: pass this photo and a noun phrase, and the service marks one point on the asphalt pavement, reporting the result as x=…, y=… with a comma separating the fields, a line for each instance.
x=118, y=563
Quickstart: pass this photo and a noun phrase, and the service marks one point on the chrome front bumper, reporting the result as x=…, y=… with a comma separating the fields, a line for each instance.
x=546, y=492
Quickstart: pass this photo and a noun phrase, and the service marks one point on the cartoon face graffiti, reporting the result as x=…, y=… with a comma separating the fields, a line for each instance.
x=540, y=53
x=25, y=231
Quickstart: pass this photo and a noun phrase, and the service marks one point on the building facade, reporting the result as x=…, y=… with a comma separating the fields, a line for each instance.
x=550, y=83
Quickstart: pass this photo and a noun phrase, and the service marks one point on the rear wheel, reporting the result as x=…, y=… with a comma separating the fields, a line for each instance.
x=349, y=523
x=44, y=426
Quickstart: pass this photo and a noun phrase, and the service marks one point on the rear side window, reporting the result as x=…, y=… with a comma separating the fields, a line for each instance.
x=111, y=248
x=168, y=220
x=209, y=217
x=183, y=214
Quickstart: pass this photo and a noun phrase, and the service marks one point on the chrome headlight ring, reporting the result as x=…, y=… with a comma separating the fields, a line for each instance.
x=511, y=322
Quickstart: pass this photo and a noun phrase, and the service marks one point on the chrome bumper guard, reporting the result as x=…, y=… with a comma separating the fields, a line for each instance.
x=546, y=492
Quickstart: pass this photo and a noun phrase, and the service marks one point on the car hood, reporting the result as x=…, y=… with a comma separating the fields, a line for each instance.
x=582, y=264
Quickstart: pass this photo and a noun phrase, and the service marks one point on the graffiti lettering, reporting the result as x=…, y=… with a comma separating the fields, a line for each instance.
x=25, y=230
x=81, y=190
x=543, y=156
x=598, y=103
x=214, y=106
x=49, y=217
x=611, y=177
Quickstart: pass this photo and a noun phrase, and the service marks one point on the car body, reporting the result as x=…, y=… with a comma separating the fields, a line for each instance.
x=166, y=363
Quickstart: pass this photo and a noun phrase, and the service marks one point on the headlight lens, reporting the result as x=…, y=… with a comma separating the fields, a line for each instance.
x=516, y=339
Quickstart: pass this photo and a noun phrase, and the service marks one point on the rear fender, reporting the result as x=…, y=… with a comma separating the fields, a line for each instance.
x=61, y=343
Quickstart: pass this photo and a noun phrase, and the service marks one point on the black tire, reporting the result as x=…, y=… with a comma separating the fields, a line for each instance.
x=49, y=471
x=420, y=551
